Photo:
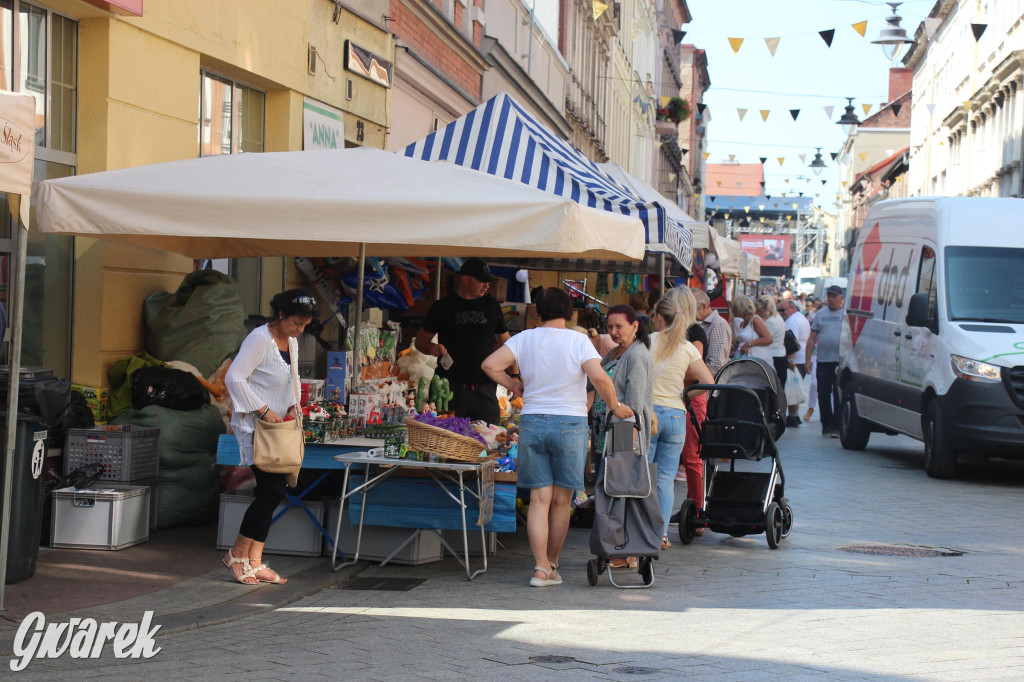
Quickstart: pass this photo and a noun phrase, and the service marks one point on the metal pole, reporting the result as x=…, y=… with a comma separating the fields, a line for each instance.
x=12, y=395
x=437, y=280
x=356, y=369
x=661, y=271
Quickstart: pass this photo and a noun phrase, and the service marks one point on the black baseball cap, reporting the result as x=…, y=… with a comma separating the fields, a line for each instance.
x=477, y=269
x=834, y=290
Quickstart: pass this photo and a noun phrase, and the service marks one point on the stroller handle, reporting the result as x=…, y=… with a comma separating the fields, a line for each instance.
x=715, y=387
x=636, y=419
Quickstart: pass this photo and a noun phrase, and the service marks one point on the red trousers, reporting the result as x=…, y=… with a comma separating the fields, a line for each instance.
x=692, y=464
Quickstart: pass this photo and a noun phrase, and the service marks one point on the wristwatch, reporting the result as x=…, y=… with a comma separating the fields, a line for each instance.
x=517, y=375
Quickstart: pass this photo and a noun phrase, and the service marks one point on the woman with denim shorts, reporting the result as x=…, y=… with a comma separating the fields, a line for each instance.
x=677, y=363
x=555, y=363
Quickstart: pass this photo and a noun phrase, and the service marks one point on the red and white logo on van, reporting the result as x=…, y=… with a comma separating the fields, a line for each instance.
x=859, y=307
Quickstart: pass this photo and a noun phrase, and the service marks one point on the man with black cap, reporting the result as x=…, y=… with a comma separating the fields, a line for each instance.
x=825, y=332
x=469, y=324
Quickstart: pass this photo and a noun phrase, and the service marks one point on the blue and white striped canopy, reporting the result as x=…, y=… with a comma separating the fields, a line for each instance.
x=501, y=138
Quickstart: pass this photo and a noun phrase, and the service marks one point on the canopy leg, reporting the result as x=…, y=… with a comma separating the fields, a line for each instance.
x=358, y=329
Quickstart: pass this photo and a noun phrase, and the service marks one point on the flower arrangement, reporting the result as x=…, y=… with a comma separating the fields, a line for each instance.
x=676, y=110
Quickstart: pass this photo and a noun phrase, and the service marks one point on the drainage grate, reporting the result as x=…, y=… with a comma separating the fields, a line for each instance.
x=552, y=659
x=636, y=670
x=383, y=584
x=900, y=550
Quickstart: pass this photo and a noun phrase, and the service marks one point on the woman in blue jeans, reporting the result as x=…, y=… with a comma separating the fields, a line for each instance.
x=677, y=363
x=555, y=363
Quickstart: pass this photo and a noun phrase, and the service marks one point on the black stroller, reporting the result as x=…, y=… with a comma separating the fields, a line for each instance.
x=746, y=415
x=627, y=517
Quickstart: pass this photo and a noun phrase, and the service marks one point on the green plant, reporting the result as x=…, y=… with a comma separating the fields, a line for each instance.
x=678, y=110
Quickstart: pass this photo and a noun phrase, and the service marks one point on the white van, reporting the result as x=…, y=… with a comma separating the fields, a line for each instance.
x=933, y=344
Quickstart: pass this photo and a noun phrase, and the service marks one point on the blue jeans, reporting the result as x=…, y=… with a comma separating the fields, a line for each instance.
x=666, y=447
x=552, y=451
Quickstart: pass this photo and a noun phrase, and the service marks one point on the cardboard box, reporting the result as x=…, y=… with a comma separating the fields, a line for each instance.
x=339, y=369
x=515, y=316
x=533, y=319
x=292, y=534
x=499, y=289
x=312, y=391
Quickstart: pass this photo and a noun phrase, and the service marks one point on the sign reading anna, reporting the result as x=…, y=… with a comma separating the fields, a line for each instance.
x=17, y=144
x=323, y=126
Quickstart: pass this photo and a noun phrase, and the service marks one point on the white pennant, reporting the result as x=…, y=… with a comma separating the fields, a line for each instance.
x=803, y=158
x=828, y=111
x=931, y=108
x=931, y=24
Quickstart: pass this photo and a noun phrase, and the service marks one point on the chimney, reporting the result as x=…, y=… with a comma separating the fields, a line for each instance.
x=901, y=79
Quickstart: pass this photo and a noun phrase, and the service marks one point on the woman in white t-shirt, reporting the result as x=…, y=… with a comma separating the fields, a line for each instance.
x=555, y=364
x=677, y=363
x=768, y=311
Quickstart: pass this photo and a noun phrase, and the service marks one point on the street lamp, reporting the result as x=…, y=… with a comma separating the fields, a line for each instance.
x=849, y=120
x=818, y=164
x=893, y=38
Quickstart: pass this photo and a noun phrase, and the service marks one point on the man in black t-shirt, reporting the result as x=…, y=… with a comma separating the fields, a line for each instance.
x=469, y=324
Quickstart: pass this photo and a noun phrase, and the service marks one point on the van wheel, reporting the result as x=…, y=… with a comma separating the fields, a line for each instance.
x=939, y=458
x=853, y=431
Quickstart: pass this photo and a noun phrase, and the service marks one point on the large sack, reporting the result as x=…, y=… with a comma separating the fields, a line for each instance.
x=167, y=387
x=188, y=492
x=202, y=323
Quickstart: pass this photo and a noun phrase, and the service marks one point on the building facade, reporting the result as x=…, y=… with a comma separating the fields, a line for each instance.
x=585, y=33
x=692, y=135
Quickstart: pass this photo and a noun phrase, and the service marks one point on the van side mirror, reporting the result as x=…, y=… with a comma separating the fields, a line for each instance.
x=918, y=313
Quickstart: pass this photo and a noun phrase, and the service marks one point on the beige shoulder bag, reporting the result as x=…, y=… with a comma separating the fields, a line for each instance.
x=279, y=448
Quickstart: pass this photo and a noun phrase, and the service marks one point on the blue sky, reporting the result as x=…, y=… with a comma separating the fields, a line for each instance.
x=804, y=74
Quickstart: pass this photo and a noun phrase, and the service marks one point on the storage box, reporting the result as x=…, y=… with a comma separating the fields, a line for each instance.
x=339, y=369
x=533, y=319
x=292, y=534
x=154, y=499
x=104, y=516
x=128, y=453
x=96, y=399
x=454, y=538
x=312, y=391
x=380, y=541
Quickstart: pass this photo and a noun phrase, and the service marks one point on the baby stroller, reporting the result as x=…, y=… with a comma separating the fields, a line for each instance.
x=627, y=517
x=746, y=415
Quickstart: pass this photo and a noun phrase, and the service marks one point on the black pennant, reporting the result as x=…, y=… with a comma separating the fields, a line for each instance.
x=711, y=199
x=762, y=183
x=768, y=196
x=834, y=155
x=684, y=151
x=977, y=30
x=794, y=113
x=827, y=36
x=801, y=193
x=678, y=35
x=701, y=107
x=896, y=109
x=763, y=159
x=823, y=182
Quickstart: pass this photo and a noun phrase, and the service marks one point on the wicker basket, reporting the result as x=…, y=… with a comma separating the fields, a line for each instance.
x=438, y=441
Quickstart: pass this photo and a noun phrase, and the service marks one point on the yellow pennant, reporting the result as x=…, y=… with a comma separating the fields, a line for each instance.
x=863, y=156
x=732, y=157
x=718, y=182
x=664, y=100
x=764, y=114
x=741, y=113
x=735, y=43
x=866, y=108
x=968, y=104
x=787, y=180
x=773, y=44
x=860, y=27
x=781, y=160
x=844, y=183
x=706, y=155
x=599, y=9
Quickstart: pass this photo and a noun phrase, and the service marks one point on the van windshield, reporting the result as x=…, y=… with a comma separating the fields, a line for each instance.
x=985, y=284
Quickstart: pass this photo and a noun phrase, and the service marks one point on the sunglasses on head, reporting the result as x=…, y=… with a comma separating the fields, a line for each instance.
x=304, y=300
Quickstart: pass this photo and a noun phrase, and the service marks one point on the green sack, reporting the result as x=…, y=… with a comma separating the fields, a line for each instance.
x=202, y=323
x=188, y=493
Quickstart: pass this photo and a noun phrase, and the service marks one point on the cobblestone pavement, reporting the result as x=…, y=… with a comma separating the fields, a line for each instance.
x=721, y=609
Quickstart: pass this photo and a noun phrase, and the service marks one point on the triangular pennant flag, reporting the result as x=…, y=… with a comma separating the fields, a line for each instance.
x=732, y=157
x=719, y=182
x=801, y=193
x=828, y=111
x=764, y=114
x=931, y=108
x=860, y=27
x=684, y=151
x=706, y=155
x=768, y=196
x=781, y=159
x=977, y=30
x=711, y=199
x=701, y=107
x=741, y=113
x=783, y=194
x=772, y=43
x=763, y=159
x=786, y=180
x=762, y=184
x=863, y=156
x=834, y=155
x=844, y=183
x=599, y=9
x=802, y=157
x=806, y=183
x=794, y=113
x=677, y=35
x=896, y=108
x=827, y=36
x=931, y=24
x=968, y=104
x=735, y=43
x=866, y=108
x=824, y=181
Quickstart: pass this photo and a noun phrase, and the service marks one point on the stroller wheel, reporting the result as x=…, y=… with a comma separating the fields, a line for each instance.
x=787, y=517
x=592, y=572
x=647, y=570
x=686, y=513
x=773, y=521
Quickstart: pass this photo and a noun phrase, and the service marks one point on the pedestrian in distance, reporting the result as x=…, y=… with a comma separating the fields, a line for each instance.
x=767, y=310
x=555, y=363
x=676, y=364
x=801, y=328
x=469, y=325
x=752, y=335
x=262, y=382
x=824, y=337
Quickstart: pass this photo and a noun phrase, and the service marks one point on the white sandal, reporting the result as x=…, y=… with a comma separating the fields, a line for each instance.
x=247, y=572
x=545, y=582
x=275, y=580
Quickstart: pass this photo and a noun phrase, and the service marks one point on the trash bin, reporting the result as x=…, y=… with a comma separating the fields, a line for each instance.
x=26, y=480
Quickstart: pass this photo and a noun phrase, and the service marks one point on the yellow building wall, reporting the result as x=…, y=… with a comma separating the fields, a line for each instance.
x=139, y=81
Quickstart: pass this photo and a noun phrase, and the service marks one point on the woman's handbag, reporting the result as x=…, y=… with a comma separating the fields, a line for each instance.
x=791, y=343
x=279, y=448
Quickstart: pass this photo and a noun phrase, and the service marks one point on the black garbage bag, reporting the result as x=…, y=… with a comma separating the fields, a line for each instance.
x=167, y=387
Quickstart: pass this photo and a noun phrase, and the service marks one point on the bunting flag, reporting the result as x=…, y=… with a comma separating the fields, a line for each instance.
x=735, y=43
x=806, y=183
x=768, y=196
x=764, y=114
x=783, y=194
x=824, y=181
x=772, y=43
x=968, y=104
x=794, y=113
x=801, y=194
x=718, y=182
x=599, y=9
x=896, y=108
x=931, y=108
x=834, y=155
x=701, y=107
x=741, y=113
x=732, y=157
x=763, y=159
x=711, y=198
x=727, y=215
x=706, y=155
x=762, y=187
x=786, y=180
x=844, y=183
x=931, y=24
x=678, y=35
x=684, y=151
x=827, y=36
x=802, y=157
x=863, y=156
x=860, y=27
x=828, y=111
x=866, y=108
x=781, y=159
x=977, y=30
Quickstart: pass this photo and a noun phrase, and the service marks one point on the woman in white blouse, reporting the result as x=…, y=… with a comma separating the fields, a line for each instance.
x=262, y=382
x=767, y=310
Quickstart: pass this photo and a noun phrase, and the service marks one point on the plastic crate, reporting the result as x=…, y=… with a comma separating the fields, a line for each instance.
x=292, y=534
x=128, y=454
x=100, y=517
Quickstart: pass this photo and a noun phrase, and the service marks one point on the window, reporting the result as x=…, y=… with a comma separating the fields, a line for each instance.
x=926, y=280
x=985, y=284
x=231, y=116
